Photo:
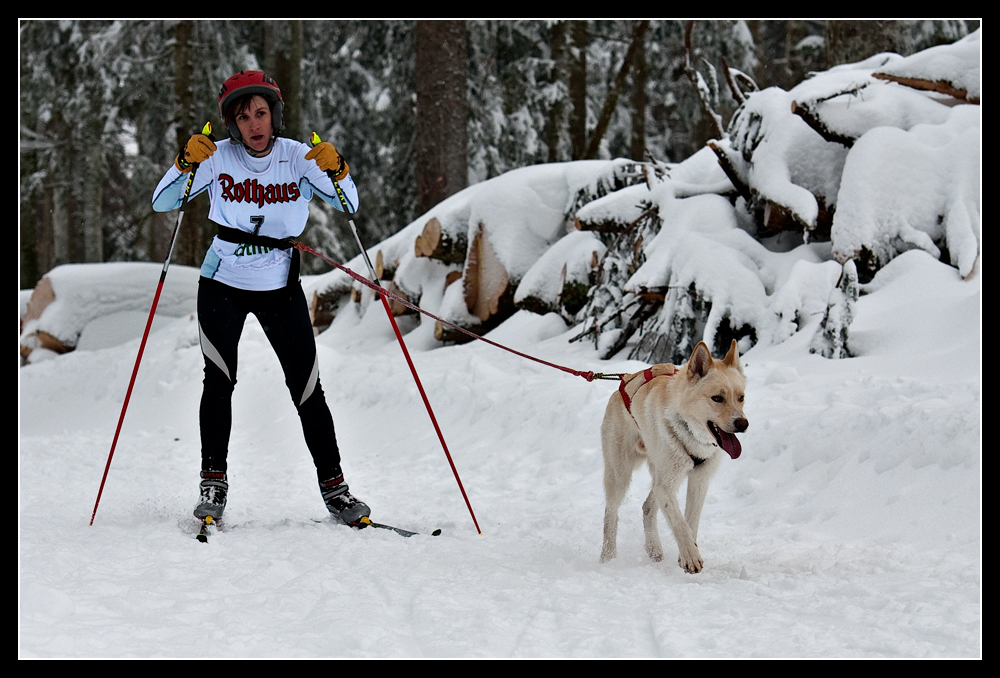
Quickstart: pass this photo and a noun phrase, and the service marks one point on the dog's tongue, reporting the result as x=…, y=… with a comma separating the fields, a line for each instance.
x=729, y=443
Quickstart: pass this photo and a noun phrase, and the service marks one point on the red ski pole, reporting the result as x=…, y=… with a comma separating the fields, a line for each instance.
x=385, y=303
x=207, y=131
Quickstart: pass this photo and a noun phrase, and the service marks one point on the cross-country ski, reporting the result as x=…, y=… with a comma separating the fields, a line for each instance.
x=397, y=530
x=205, y=530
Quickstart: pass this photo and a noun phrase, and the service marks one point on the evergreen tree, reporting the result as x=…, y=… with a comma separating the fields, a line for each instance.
x=358, y=93
x=510, y=91
x=68, y=88
x=106, y=105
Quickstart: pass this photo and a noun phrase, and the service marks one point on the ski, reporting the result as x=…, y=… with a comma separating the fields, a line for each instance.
x=367, y=522
x=204, y=531
x=397, y=530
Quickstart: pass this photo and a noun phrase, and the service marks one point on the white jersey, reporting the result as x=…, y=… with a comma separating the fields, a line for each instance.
x=268, y=196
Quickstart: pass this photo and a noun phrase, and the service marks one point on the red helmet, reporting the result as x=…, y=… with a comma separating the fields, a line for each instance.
x=251, y=82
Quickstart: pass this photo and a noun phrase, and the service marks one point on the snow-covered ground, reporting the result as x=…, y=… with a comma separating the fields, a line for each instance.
x=849, y=527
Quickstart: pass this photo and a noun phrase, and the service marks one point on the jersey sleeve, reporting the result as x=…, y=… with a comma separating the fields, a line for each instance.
x=320, y=183
x=169, y=192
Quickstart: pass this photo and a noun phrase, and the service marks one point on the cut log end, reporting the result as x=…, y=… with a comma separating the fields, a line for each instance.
x=41, y=297
x=486, y=282
x=398, y=308
x=436, y=243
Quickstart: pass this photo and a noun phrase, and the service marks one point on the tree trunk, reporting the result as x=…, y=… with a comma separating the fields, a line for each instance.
x=578, y=89
x=711, y=117
x=189, y=241
x=92, y=195
x=327, y=302
x=849, y=41
x=795, y=31
x=638, y=103
x=283, y=62
x=395, y=307
x=41, y=297
x=442, y=76
x=940, y=86
x=383, y=269
x=557, y=112
x=611, y=101
x=29, y=232
x=756, y=28
x=54, y=238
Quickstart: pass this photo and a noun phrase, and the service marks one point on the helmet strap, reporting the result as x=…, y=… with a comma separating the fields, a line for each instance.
x=236, y=137
x=262, y=153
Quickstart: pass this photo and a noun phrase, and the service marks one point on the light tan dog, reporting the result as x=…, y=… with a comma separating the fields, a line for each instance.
x=678, y=420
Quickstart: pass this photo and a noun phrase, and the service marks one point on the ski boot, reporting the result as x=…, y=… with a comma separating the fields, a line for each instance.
x=343, y=506
x=212, y=502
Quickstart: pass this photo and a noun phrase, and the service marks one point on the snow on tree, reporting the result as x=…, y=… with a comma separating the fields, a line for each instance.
x=901, y=150
x=511, y=222
x=912, y=189
x=744, y=240
x=952, y=69
x=559, y=281
x=792, y=174
x=506, y=224
x=831, y=339
x=684, y=271
x=748, y=239
x=810, y=188
x=919, y=186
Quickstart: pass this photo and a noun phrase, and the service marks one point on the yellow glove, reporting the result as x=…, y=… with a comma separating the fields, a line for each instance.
x=198, y=149
x=329, y=160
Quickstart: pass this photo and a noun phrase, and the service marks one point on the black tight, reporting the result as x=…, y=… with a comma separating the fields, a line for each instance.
x=284, y=316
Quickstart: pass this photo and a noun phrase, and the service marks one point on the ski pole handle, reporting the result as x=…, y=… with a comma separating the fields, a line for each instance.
x=314, y=140
x=207, y=131
x=346, y=206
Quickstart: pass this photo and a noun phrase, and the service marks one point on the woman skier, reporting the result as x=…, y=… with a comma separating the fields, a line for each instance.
x=259, y=185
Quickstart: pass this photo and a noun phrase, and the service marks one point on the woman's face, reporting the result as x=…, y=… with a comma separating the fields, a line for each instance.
x=254, y=123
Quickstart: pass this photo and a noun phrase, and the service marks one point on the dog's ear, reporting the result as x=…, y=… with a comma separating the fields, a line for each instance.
x=732, y=358
x=700, y=361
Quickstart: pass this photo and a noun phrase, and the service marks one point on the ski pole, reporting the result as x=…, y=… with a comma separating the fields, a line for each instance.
x=345, y=205
x=207, y=131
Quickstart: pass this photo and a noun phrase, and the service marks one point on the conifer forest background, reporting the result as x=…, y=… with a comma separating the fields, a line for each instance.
x=420, y=109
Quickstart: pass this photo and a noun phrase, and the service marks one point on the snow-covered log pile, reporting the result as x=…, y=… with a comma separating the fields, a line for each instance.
x=490, y=250
x=771, y=230
x=97, y=305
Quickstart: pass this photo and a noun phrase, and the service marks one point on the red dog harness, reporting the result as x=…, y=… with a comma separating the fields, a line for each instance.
x=647, y=376
x=663, y=370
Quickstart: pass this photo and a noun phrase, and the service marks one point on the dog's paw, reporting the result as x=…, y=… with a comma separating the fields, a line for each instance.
x=608, y=554
x=655, y=553
x=692, y=564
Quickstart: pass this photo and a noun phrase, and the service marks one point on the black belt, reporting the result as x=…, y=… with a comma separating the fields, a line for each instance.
x=235, y=235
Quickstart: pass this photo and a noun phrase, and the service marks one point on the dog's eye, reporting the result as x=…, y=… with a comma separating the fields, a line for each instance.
x=718, y=399
x=741, y=398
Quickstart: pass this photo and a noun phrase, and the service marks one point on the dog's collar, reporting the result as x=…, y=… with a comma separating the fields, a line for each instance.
x=680, y=439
